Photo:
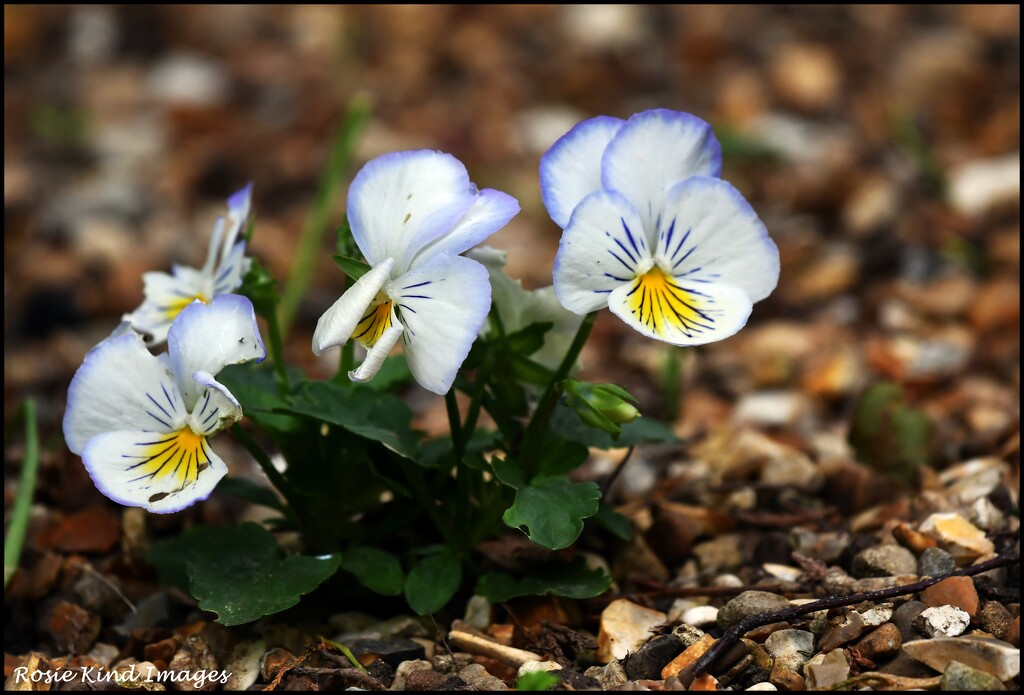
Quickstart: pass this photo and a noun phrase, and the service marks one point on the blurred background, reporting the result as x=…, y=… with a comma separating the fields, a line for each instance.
x=880, y=145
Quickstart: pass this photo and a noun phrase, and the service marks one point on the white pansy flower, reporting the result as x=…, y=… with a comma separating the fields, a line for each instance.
x=412, y=214
x=651, y=232
x=141, y=422
x=225, y=268
x=521, y=308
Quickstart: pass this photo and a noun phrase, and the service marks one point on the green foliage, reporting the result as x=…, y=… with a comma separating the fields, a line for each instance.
x=571, y=580
x=240, y=573
x=375, y=569
x=551, y=510
x=888, y=434
x=353, y=268
x=537, y=681
x=432, y=582
x=601, y=406
x=640, y=431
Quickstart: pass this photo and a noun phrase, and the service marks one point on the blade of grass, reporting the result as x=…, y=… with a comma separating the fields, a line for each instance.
x=318, y=221
x=26, y=491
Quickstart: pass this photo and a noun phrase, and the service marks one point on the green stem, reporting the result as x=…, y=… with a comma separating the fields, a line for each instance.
x=546, y=406
x=23, y=499
x=275, y=477
x=455, y=425
x=277, y=354
x=317, y=222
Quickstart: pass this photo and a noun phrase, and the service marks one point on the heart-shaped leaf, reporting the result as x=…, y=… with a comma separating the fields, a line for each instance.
x=375, y=569
x=432, y=583
x=551, y=510
x=241, y=574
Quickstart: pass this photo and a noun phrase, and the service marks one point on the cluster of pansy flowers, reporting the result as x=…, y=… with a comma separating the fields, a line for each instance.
x=649, y=231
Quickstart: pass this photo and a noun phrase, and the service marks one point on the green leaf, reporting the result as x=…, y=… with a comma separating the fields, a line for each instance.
x=614, y=522
x=393, y=373
x=351, y=267
x=432, y=583
x=375, y=569
x=537, y=681
x=888, y=434
x=241, y=574
x=256, y=390
x=170, y=556
x=551, y=510
x=251, y=492
x=507, y=470
x=261, y=289
x=559, y=456
x=571, y=580
x=376, y=416
x=643, y=430
x=528, y=340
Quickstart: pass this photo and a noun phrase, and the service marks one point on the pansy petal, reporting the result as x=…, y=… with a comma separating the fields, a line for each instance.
x=402, y=201
x=120, y=384
x=166, y=295
x=442, y=303
x=710, y=234
x=376, y=355
x=209, y=337
x=665, y=308
x=161, y=473
x=336, y=325
x=217, y=408
x=491, y=211
x=655, y=150
x=571, y=169
x=602, y=248
x=239, y=205
x=232, y=270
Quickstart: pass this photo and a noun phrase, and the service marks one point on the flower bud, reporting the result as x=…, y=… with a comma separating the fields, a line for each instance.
x=602, y=406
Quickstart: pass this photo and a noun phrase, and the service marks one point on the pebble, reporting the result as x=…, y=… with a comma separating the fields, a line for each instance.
x=995, y=619
x=833, y=669
x=960, y=677
x=935, y=562
x=405, y=669
x=432, y=680
x=790, y=648
x=688, y=634
x=478, y=677
x=884, y=561
x=244, y=664
x=982, y=184
x=719, y=554
x=701, y=616
x=392, y=652
x=766, y=686
x=648, y=661
x=610, y=677
x=917, y=542
x=964, y=541
x=478, y=612
x=987, y=654
x=749, y=603
x=878, y=615
x=972, y=480
x=783, y=572
x=826, y=547
x=881, y=643
x=688, y=656
x=942, y=621
x=1013, y=635
x=955, y=591
x=534, y=666
x=849, y=628
x=904, y=618
x=188, y=79
x=625, y=627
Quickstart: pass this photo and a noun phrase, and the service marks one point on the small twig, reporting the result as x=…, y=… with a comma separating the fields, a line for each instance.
x=444, y=641
x=606, y=486
x=733, y=634
x=113, y=587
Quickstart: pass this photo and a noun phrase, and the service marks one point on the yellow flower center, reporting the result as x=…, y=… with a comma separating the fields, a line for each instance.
x=375, y=321
x=174, y=308
x=656, y=301
x=183, y=454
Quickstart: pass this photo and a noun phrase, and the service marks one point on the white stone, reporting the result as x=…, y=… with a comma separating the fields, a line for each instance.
x=766, y=686
x=701, y=616
x=879, y=615
x=942, y=621
x=533, y=666
x=407, y=667
x=983, y=184
x=999, y=658
x=783, y=572
x=625, y=627
x=964, y=541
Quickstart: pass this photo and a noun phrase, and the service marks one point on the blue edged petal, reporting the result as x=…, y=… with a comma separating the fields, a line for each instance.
x=709, y=234
x=491, y=211
x=442, y=304
x=571, y=168
x=120, y=385
x=655, y=150
x=400, y=202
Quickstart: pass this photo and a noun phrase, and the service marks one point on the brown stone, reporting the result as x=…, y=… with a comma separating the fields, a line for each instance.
x=689, y=655
x=909, y=538
x=1013, y=636
x=164, y=650
x=432, y=680
x=955, y=591
x=704, y=682
x=72, y=628
x=786, y=679
x=94, y=530
x=881, y=643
